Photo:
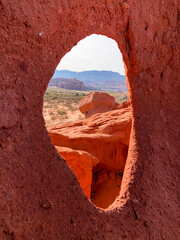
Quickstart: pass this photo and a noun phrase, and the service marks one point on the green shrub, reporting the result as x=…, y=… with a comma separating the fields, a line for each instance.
x=61, y=112
x=53, y=118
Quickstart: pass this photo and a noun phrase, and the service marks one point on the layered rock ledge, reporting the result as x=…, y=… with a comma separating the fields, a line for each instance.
x=98, y=144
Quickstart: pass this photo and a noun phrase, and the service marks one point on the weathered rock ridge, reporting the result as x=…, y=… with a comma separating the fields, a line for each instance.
x=39, y=196
x=94, y=146
x=72, y=84
x=98, y=136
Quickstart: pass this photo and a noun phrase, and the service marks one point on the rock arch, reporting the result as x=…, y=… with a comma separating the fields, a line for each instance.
x=40, y=197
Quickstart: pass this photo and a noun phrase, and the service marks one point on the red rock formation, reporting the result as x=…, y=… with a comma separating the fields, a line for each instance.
x=97, y=102
x=72, y=83
x=98, y=137
x=104, y=135
x=82, y=164
x=105, y=186
x=39, y=196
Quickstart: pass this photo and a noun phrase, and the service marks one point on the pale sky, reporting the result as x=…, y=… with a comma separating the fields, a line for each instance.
x=95, y=52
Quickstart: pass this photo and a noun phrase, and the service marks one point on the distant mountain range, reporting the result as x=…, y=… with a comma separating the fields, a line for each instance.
x=96, y=80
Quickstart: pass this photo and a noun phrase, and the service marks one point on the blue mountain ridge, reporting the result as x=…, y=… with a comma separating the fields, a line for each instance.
x=89, y=76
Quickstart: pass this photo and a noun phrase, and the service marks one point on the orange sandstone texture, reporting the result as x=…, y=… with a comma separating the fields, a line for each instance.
x=97, y=102
x=105, y=187
x=40, y=198
x=100, y=168
x=104, y=135
x=82, y=164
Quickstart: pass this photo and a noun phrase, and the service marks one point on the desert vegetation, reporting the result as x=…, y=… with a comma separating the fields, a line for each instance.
x=61, y=105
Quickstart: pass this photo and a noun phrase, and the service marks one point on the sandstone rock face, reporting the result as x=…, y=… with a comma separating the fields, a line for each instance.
x=100, y=168
x=39, y=196
x=105, y=186
x=72, y=84
x=97, y=102
x=98, y=136
x=82, y=164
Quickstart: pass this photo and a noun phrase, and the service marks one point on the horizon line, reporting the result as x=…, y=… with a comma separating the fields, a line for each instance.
x=89, y=71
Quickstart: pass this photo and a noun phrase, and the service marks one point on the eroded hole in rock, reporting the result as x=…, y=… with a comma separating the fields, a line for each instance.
x=105, y=185
x=94, y=143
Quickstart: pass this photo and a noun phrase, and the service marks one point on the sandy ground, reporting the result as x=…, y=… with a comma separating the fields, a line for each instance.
x=56, y=114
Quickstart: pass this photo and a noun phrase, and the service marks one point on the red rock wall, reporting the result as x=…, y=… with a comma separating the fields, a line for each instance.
x=40, y=196
x=66, y=83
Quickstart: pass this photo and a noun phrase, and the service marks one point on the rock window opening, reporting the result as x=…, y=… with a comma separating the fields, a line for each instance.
x=88, y=118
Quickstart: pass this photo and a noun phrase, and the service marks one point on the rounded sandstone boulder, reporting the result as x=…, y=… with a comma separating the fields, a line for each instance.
x=97, y=102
